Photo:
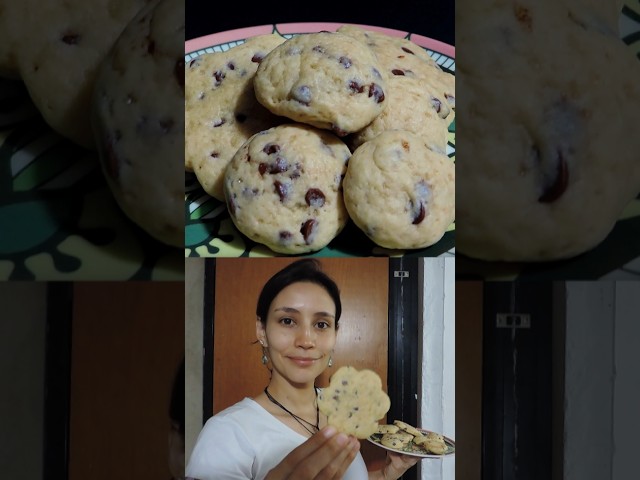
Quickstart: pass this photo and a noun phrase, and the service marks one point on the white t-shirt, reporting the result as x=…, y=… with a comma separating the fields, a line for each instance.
x=245, y=442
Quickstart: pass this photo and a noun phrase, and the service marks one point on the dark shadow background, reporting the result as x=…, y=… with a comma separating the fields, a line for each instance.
x=431, y=18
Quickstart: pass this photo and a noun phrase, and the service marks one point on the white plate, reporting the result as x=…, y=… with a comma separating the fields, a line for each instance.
x=413, y=450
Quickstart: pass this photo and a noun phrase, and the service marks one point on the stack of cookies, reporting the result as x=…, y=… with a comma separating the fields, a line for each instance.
x=402, y=436
x=298, y=136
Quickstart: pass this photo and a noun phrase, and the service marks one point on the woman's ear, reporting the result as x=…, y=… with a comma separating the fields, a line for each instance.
x=261, y=335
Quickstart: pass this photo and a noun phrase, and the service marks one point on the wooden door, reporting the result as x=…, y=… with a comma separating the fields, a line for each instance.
x=469, y=379
x=127, y=343
x=362, y=336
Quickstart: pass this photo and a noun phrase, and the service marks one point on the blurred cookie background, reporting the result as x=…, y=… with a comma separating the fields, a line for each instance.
x=59, y=216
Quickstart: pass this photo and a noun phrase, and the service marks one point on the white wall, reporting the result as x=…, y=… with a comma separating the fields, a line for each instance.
x=23, y=308
x=602, y=383
x=626, y=393
x=437, y=348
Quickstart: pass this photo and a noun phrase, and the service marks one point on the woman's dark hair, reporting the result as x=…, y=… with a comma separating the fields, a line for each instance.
x=307, y=270
x=176, y=407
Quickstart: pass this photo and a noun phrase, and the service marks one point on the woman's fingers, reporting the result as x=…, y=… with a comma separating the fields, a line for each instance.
x=338, y=464
x=351, y=452
x=326, y=461
x=292, y=461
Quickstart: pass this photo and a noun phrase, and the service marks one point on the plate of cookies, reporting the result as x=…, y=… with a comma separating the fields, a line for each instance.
x=404, y=438
x=319, y=139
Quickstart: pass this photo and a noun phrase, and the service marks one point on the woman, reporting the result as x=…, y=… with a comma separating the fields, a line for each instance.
x=280, y=433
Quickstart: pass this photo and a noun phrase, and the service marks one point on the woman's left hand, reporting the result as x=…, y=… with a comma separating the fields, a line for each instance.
x=397, y=464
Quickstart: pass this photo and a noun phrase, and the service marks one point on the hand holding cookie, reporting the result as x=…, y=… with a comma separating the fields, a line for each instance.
x=326, y=455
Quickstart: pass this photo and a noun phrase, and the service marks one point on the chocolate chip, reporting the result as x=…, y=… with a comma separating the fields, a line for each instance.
x=231, y=66
x=219, y=121
x=355, y=87
x=241, y=117
x=338, y=131
x=319, y=49
x=262, y=168
x=285, y=237
x=418, y=214
x=376, y=73
x=282, y=189
x=302, y=94
x=219, y=76
x=270, y=148
x=451, y=99
x=345, y=62
x=376, y=92
x=279, y=166
x=314, y=198
x=297, y=170
x=345, y=382
x=396, y=71
x=437, y=104
x=524, y=17
x=214, y=155
x=407, y=50
x=257, y=58
x=308, y=230
x=71, y=38
x=559, y=185
x=194, y=63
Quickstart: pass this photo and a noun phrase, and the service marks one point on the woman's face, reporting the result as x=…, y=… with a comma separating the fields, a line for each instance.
x=300, y=332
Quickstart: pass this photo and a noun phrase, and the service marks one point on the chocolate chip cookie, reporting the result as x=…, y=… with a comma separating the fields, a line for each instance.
x=283, y=188
x=400, y=193
x=401, y=57
x=221, y=110
x=548, y=163
x=327, y=80
x=140, y=138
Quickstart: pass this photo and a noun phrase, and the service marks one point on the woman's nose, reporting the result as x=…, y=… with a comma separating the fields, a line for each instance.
x=306, y=338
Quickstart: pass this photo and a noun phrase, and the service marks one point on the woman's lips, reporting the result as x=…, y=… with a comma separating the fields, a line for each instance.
x=303, y=361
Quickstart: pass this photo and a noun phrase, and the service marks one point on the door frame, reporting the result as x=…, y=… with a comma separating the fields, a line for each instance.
x=57, y=380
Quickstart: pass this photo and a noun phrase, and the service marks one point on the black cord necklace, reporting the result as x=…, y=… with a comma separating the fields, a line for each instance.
x=296, y=417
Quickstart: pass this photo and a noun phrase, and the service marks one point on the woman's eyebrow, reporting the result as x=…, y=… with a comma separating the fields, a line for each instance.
x=294, y=310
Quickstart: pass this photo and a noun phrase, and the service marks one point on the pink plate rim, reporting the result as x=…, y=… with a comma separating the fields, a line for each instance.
x=207, y=41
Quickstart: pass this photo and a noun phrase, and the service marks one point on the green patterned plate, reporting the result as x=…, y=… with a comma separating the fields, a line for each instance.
x=209, y=231
x=58, y=219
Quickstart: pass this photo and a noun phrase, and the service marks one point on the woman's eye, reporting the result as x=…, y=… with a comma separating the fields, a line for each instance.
x=286, y=321
x=323, y=325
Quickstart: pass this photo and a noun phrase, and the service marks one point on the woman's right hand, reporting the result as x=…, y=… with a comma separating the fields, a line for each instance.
x=325, y=456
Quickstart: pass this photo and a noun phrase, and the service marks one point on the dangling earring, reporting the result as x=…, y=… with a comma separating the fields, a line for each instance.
x=330, y=364
x=264, y=354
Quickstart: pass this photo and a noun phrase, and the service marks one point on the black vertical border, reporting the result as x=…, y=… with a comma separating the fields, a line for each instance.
x=523, y=398
x=207, y=337
x=57, y=393
x=404, y=335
